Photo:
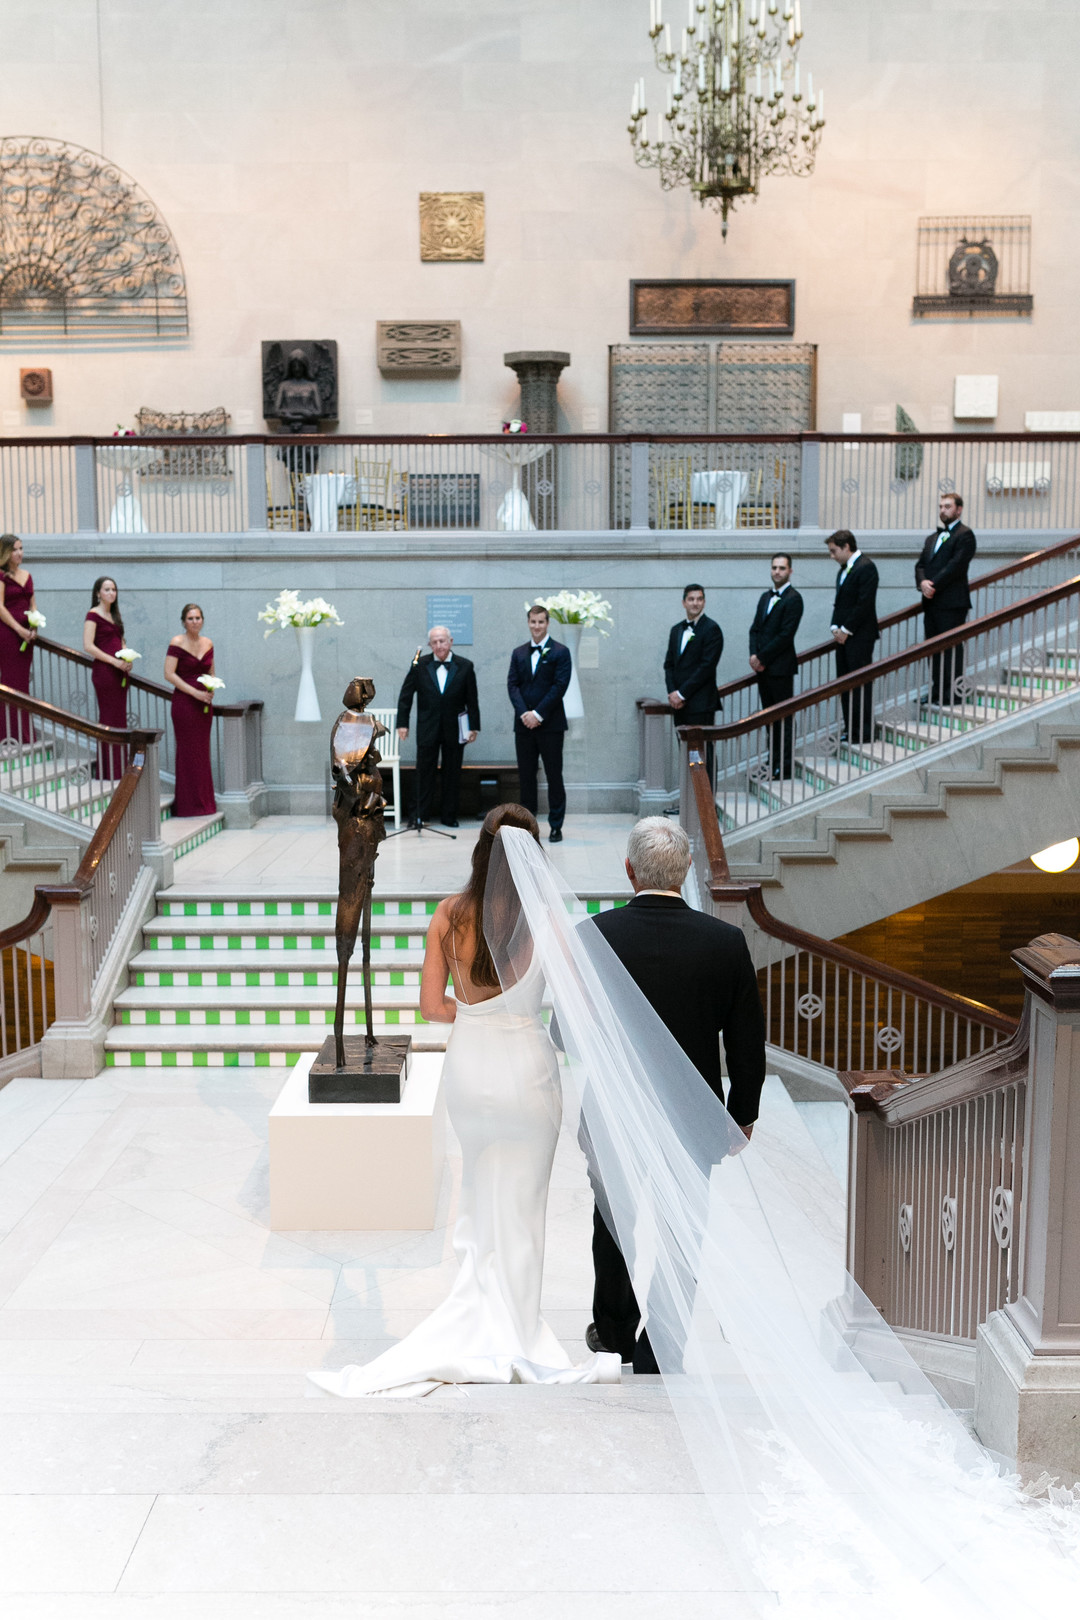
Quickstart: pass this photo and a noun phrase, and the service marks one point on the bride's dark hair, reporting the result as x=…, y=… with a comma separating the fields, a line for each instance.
x=466, y=910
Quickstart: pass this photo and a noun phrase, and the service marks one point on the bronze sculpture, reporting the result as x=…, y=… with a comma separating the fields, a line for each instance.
x=371, y=1071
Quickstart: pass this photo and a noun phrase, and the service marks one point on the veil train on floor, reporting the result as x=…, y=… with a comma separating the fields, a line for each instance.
x=840, y=1480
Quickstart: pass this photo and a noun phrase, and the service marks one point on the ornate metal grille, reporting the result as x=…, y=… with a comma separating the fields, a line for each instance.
x=712, y=387
x=83, y=250
x=969, y=266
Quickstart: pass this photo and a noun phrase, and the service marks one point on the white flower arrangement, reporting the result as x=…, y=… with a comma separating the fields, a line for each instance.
x=127, y=655
x=586, y=608
x=36, y=621
x=288, y=609
x=213, y=684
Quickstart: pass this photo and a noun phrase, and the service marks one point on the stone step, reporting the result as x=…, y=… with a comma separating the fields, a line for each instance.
x=290, y=940
x=140, y=1004
x=254, y=978
x=172, y=1018
x=175, y=903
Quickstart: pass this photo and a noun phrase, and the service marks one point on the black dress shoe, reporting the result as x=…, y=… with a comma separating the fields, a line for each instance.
x=555, y=836
x=593, y=1341
x=451, y=823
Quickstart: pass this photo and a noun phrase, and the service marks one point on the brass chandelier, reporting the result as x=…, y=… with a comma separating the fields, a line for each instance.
x=737, y=106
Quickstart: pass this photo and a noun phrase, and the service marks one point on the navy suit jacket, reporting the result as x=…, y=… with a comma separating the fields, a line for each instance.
x=543, y=692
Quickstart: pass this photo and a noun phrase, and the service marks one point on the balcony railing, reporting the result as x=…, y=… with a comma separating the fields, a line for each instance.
x=586, y=483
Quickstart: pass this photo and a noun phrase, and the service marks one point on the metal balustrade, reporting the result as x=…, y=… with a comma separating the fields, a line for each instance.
x=844, y=731
x=825, y=1004
x=587, y=483
x=61, y=676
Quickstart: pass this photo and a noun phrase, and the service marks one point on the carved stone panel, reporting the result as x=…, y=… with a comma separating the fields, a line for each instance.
x=712, y=308
x=418, y=348
x=451, y=226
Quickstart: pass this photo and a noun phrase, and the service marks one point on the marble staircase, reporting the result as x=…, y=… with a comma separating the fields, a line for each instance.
x=251, y=982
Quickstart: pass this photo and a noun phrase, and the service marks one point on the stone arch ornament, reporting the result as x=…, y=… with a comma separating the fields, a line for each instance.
x=83, y=250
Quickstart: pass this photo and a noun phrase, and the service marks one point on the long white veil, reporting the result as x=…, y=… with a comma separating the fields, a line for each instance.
x=842, y=1483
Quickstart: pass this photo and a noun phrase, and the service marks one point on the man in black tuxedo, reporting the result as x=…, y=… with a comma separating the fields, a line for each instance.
x=696, y=974
x=772, y=655
x=537, y=682
x=693, y=652
x=941, y=575
x=447, y=717
x=854, y=629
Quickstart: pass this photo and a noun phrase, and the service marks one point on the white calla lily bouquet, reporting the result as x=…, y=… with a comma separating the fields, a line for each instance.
x=213, y=683
x=288, y=609
x=586, y=608
x=36, y=621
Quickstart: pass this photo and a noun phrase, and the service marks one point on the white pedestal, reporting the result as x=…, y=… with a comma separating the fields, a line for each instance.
x=358, y=1167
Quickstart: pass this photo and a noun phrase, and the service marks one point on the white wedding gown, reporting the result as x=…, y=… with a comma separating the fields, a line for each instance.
x=501, y=1079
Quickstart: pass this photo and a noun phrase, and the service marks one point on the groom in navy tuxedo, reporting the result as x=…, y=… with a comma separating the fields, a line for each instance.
x=538, y=678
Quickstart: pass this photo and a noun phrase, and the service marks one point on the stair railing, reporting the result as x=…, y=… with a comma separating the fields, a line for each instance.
x=59, y=761
x=62, y=677
x=873, y=718
x=54, y=960
x=1001, y=588
x=823, y=1002
x=964, y=1217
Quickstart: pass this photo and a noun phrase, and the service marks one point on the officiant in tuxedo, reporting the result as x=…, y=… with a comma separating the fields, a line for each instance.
x=447, y=719
x=941, y=575
x=772, y=656
x=694, y=648
x=696, y=974
x=536, y=683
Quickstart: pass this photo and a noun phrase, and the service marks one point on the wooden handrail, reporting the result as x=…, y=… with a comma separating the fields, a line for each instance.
x=47, y=895
x=916, y=654
x=76, y=656
x=994, y=577
x=74, y=722
x=722, y=889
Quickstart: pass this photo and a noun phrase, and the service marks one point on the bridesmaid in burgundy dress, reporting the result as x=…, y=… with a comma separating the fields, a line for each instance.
x=188, y=657
x=16, y=601
x=103, y=637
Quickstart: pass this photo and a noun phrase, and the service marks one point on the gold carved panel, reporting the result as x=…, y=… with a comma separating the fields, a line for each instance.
x=451, y=226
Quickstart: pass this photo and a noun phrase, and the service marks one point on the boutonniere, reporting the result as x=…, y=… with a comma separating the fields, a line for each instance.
x=690, y=637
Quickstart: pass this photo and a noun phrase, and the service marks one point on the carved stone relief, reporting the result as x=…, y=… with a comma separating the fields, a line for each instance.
x=451, y=226
x=418, y=348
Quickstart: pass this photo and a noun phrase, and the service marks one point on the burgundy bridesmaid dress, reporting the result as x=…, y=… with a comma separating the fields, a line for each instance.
x=15, y=665
x=192, y=724
x=111, y=696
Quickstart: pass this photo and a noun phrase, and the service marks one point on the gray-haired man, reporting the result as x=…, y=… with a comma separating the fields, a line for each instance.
x=697, y=975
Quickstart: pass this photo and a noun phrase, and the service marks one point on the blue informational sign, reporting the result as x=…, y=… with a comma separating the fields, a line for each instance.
x=455, y=612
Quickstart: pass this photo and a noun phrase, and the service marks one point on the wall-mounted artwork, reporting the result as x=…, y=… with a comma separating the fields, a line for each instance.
x=712, y=308
x=83, y=251
x=300, y=383
x=451, y=226
x=418, y=349
x=969, y=266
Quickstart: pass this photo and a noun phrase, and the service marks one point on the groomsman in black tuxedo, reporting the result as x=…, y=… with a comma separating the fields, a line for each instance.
x=697, y=975
x=854, y=629
x=537, y=682
x=447, y=717
x=941, y=575
x=772, y=655
x=693, y=652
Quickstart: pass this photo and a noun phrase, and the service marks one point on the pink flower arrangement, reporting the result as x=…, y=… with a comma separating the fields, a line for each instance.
x=515, y=426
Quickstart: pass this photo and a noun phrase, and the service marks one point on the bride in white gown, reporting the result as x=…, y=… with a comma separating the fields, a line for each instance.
x=841, y=1483
x=501, y=1081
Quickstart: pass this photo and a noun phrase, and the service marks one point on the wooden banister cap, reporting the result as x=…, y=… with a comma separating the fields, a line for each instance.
x=1051, y=969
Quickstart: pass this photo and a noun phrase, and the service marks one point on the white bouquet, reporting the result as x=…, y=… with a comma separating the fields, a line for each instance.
x=213, y=684
x=127, y=655
x=288, y=609
x=36, y=621
x=586, y=608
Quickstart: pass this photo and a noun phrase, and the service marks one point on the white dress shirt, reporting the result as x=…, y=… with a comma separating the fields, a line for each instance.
x=852, y=560
x=536, y=649
x=442, y=673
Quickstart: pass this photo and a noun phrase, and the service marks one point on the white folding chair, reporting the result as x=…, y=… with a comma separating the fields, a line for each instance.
x=390, y=749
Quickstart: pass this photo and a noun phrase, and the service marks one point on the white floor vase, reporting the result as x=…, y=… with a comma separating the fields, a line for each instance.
x=307, y=698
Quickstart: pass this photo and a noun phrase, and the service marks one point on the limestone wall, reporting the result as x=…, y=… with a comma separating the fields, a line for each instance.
x=286, y=146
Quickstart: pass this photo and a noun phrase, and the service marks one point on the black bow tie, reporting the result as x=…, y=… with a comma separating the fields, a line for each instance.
x=774, y=593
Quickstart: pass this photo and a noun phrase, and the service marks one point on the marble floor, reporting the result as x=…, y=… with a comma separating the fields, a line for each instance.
x=161, y=1453
x=282, y=852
